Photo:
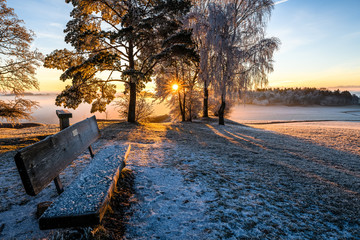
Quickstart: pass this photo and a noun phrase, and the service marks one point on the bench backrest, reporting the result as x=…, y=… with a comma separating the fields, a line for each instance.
x=43, y=161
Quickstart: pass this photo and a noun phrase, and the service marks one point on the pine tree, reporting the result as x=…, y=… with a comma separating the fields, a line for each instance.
x=120, y=38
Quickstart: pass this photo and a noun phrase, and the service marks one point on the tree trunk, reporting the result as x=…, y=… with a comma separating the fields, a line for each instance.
x=206, y=102
x=190, y=112
x=132, y=84
x=182, y=108
x=132, y=103
x=183, y=119
x=221, y=112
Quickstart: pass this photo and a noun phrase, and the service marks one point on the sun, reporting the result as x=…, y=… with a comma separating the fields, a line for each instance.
x=175, y=87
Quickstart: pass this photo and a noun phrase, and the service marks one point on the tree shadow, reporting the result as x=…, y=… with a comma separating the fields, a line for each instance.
x=330, y=166
x=293, y=179
x=309, y=179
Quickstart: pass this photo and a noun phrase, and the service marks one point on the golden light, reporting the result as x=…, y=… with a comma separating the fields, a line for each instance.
x=175, y=87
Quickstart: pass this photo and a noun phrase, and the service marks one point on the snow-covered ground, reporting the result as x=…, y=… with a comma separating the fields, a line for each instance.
x=340, y=135
x=205, y=181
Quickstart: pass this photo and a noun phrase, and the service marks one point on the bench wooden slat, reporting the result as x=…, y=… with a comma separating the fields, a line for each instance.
x=84, y=202
x=41, y=162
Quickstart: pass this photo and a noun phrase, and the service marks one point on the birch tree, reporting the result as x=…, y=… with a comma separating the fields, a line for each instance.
x=241, y=55
x=117, y=38
x=18, y=64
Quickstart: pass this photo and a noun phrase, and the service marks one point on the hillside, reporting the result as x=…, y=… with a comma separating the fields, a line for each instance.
x=300, y=97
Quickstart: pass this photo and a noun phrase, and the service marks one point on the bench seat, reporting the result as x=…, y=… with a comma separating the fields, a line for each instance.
x=84, y=202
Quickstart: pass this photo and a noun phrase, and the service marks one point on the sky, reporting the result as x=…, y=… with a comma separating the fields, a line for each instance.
x=320, y=41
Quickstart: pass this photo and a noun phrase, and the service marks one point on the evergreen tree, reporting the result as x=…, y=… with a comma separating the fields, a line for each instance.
x=120, y=38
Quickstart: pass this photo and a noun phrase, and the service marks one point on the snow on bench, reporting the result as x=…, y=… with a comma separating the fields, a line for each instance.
x=83, y=203
x=42, y=162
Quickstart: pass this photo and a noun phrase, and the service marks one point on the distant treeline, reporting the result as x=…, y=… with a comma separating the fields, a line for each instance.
x=26, y=94
x=300, y=97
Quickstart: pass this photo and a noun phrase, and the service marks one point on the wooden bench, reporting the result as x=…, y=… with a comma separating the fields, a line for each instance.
x=84, y=202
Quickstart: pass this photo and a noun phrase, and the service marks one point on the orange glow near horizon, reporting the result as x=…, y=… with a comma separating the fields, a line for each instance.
x=344, y=79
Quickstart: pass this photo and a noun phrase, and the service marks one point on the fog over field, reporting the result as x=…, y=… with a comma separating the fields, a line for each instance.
x=46, y=113
x=254, y=113
x=240, y=113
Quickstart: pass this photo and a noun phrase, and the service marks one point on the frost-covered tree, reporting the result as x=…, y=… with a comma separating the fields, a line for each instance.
x=240, y=54
x=17, y=65
x=197, y=20
x=119, y=38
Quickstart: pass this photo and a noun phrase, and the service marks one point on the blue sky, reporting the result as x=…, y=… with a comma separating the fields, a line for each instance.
x=320, y=43
x=320, y=40
x=47, y=18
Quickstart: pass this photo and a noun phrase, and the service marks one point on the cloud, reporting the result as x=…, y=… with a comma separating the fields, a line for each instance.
x=57, y=25
x=281, y=1
x=50, y=35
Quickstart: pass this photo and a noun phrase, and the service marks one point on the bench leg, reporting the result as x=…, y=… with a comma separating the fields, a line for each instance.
x=58, y=185
x=91, y=152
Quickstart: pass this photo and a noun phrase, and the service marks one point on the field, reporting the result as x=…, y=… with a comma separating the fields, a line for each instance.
x=204, y=181
x=339, y=135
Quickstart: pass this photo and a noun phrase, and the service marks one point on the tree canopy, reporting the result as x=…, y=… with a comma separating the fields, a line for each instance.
x=219, y=44
x=234, y=53
x=18, y=64
x=179, y=68
x=120, y=38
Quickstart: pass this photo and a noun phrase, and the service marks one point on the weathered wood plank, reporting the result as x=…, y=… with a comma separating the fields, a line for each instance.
x=58, y=185
x=84, y=202
x=41, y=162
x=63, y=114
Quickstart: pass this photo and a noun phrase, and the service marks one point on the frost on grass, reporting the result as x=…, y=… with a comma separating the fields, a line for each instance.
x=340, y=135
x=202, y=181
